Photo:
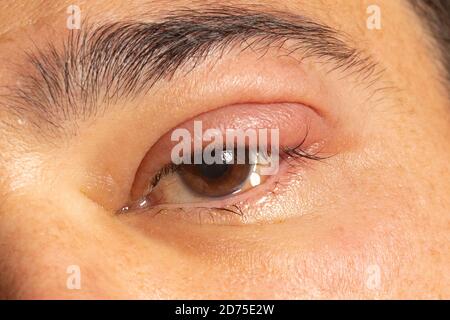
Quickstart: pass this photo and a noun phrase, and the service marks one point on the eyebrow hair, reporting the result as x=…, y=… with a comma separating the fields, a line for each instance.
x=98, y=66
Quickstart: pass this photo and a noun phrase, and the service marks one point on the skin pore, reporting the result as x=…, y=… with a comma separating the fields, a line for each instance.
x=377, y=205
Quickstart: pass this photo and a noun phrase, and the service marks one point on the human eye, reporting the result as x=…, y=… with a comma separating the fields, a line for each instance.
x=248, y=170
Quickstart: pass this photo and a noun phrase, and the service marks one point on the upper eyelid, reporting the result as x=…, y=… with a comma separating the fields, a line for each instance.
x=53, y=90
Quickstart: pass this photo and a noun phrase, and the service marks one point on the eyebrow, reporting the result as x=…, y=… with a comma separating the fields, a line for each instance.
x=97, y=66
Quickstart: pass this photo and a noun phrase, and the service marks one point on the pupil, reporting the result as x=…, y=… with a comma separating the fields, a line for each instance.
x=216, y=170
x=212, y=171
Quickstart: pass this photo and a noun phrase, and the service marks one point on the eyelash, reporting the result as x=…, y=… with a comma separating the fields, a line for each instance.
x=293, y=156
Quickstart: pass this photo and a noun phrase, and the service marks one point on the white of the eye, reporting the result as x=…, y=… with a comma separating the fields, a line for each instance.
x=255, y=179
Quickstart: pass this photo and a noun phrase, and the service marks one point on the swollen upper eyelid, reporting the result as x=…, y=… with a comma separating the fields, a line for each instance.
x=294, y=122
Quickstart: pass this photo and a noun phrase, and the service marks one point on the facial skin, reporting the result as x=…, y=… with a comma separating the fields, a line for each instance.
x=371, y=220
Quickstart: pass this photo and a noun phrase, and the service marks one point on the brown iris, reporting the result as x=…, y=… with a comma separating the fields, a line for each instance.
x=217, y=179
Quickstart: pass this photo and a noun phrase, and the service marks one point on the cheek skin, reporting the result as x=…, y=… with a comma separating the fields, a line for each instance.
x=44, y=238
x=312, y=258
x=301, y=258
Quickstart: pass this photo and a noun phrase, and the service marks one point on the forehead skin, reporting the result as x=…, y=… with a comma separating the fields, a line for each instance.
x=422, y=125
